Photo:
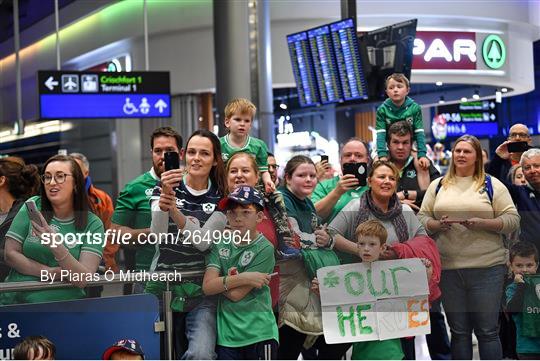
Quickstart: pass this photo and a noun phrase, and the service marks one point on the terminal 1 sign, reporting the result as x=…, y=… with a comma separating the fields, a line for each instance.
x=458, y=50
x=71, y=94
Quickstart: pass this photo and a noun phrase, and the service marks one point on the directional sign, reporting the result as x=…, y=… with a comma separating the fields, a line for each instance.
x=477, y=118
x=74, y=94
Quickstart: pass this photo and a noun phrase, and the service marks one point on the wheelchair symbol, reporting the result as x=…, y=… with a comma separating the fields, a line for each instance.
x=129, y=107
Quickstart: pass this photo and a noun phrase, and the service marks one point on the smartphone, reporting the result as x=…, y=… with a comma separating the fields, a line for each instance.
x=33, y=212
x=518, y=147
x=359, y=170
x=172, y=160
x=324, y=158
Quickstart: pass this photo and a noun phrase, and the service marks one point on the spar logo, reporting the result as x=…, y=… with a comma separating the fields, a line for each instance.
x=457, y=50
x=494, y=51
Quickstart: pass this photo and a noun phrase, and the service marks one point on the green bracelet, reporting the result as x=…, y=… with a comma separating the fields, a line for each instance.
x=225, y=283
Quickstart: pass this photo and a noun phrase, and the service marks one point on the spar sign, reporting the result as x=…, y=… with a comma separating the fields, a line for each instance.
x=458, y=50
x=377, y=301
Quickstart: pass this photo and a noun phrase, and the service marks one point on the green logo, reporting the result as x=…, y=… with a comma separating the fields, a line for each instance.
x=494, y=51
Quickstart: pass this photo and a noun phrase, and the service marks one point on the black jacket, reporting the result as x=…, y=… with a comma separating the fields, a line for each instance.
x=409, y=180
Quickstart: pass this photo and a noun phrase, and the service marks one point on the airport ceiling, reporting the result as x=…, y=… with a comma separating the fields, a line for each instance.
x=30, y=12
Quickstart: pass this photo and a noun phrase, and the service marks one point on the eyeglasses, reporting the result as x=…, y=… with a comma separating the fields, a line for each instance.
x=59, y=178
x=518, y=135
x=529, y=167
x=273, y=166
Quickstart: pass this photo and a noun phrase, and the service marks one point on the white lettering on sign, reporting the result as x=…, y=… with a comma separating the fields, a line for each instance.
x=438, y=49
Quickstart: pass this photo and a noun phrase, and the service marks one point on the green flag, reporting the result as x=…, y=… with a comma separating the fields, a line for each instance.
x=531, y=306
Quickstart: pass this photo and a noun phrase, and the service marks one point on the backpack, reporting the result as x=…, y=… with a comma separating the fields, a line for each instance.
x=488, y=187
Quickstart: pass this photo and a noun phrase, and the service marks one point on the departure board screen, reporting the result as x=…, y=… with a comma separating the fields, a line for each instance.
x=351, y=73
x=326, y=71
x=303, y=69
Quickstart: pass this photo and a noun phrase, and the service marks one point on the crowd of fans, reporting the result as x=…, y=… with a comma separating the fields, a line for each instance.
x=258, y=298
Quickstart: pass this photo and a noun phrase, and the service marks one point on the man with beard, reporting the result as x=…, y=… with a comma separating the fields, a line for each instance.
x=132, y=214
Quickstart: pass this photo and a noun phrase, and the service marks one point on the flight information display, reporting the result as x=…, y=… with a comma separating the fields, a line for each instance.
x=303, y=69
x=351, y=74
x=326, y=71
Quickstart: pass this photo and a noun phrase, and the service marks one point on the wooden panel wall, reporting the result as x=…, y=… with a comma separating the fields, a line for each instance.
x=363, y=120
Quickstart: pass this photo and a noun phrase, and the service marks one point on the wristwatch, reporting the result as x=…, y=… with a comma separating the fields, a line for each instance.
x=406, y=194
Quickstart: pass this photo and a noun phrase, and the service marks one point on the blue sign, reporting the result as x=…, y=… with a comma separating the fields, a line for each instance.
x=83, y=329
x=72, y=94
x=61, y=106
x=478, y=129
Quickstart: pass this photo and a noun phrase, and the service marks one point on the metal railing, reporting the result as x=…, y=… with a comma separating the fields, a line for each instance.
x=108, y=280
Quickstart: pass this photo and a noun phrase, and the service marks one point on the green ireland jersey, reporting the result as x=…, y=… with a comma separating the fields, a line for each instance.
x=251, y=319
x=253, y=146
x=133, y=210
x=326, y=186
x=32, y=248
x=321, y=190
x=378, y=350
x=388, y=113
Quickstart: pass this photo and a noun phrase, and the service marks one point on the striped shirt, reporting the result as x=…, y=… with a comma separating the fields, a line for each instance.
x=178, y=252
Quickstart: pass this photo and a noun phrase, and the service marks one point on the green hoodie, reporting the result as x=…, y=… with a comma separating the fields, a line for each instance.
x=388, y=113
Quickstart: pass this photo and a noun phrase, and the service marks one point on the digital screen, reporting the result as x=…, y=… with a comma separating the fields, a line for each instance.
x=351, y=74
x=326, y=71
x=478, y=118
x=303, y=69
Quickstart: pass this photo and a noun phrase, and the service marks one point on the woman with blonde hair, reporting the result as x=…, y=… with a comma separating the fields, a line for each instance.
x=467, y=212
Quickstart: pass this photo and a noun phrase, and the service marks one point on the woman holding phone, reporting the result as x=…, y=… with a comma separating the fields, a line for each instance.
x=59, y=212
x=241, y=170
x=379, y=202
x=194, y=193
x=468, y=212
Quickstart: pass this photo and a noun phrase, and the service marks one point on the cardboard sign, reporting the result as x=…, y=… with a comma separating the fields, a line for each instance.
x=377, y=301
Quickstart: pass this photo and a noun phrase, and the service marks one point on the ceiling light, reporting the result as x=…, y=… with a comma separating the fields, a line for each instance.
x=504, y=90
x=441, y=100
x=283, y=106
x=438, y=83
x=476, y=96
x=464, y=99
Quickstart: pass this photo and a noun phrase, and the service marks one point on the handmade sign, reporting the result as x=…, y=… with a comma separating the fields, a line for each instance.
x=377, y=301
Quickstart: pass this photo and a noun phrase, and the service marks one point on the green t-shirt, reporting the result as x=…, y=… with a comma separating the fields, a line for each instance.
x=326, y=186
x=253, y=146
x=302, y=210
x=32, y=248
x=378, y=350
x=251, y=319
x=388, y=113
x=321, y=190
x=133, y=211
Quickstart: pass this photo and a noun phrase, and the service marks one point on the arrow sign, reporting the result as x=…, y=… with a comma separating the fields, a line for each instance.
x=51, y=83
x=160, y=105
